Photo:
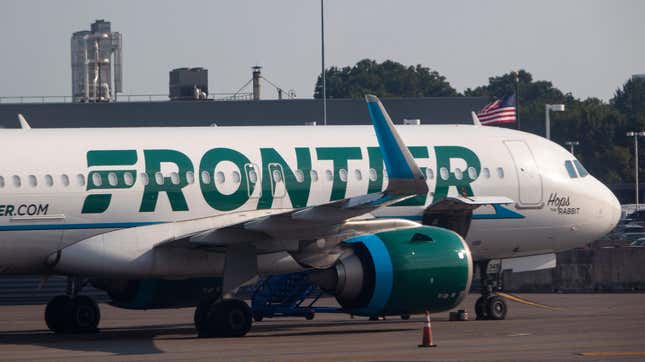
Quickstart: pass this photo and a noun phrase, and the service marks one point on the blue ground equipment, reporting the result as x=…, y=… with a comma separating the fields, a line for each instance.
x=285, y=295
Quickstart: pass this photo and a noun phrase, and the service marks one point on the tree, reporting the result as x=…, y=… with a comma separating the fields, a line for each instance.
x=630, y=101
x=387, y=79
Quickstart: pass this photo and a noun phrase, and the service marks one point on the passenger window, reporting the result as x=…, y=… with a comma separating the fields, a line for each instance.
x=174, y=178
x=486, y=172
x=112, y=179
x=429, y=173
x=33, y=182
x=206, y=177
x=277, y=176
x=342, y=173
x=159, y=179
x=80, y=179
x=219, y=177
x=329, y=175
x=372, y=174
x=190, y=177
x=300, y=176
x=500, y=172
x=314, y=175
x=472, y=173
x=569, y=166
x=358, y=175
x=144, y=178
x=49, y=180
x=64, y=179
x=443, y=172
x=253, y=176
x=581, y=169
x=236, y=177
x=128, y=178
x=96, y=179
x=16, y=181
x=459, y=174
x=1, y=181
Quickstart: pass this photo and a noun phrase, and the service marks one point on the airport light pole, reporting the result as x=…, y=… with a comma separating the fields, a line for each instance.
x=322, y=56
x=571, y=145
x=547, y=118
x=636, y=135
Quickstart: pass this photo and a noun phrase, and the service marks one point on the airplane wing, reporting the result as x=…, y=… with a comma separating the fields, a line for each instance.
x=243, y=235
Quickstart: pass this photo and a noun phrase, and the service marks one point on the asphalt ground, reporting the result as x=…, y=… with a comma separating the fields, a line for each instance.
x=587, y=327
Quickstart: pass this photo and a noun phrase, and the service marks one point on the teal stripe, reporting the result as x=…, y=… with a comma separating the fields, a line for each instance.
x=109, y=225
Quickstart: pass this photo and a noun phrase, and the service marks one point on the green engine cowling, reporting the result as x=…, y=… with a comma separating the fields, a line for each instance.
x=404, y=271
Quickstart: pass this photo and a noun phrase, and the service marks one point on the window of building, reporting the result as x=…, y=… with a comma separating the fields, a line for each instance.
x=572, y=171
x=49, y=180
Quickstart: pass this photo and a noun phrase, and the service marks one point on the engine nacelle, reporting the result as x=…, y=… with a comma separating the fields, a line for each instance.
x=404, y=271
x=157, y=293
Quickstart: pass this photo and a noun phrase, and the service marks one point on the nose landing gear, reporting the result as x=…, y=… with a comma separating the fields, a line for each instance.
x=489, y=306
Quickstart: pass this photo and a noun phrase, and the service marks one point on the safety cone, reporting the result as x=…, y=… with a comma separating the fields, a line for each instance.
x=426, y=340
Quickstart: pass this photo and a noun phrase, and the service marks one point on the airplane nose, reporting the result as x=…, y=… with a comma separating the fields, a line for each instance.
x=613, y=210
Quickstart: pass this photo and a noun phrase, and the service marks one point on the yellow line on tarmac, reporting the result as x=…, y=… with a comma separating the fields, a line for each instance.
x=526, y=301
x=611, y=354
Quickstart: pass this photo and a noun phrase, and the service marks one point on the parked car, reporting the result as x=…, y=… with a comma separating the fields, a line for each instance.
x=638, y=243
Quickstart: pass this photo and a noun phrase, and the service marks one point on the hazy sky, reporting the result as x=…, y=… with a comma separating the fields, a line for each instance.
x=585, y=47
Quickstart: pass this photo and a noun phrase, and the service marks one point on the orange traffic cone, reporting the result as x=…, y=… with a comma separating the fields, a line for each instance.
x=426, y=341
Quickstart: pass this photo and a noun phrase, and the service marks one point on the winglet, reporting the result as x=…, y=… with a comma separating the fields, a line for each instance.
x=475, y=119
x=23, y=122
x=403, y=172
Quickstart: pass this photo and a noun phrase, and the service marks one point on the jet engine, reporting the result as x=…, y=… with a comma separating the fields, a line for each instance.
x=400, y=272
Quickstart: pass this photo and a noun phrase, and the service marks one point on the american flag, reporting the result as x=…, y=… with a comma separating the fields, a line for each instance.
x=498, y=112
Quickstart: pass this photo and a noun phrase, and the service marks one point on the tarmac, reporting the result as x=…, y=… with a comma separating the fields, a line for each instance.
x=582, y=327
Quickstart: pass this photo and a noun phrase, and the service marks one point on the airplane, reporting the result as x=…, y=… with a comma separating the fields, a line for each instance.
x=391, y=220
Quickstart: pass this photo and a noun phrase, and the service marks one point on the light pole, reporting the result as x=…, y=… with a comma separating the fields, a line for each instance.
x=547, y=120
x=636, y=135
x=571, y=145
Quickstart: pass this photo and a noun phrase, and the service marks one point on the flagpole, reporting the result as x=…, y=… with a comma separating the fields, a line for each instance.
x=517, y=97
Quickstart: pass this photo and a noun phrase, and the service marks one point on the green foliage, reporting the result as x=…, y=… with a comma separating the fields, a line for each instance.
x=598, y=126
x=387, y=79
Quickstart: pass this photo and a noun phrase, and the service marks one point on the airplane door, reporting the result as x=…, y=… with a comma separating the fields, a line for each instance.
x=528, y=175
x=276, y=174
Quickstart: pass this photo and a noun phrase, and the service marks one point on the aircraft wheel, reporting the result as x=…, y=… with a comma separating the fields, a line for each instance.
x=55, y=314
x=84, y=314
x=496, y=308
x=481, y=308
x=226, y=318
x=309, y=316
x=257, y=316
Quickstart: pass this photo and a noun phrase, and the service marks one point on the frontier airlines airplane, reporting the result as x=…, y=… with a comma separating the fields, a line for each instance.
x=390, y=220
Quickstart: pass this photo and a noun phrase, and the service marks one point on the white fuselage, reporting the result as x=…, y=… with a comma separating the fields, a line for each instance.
x=60, y=186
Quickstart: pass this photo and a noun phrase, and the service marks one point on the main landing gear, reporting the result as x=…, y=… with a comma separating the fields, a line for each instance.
x=73, y=313
x=489, y=305
x=222, y=318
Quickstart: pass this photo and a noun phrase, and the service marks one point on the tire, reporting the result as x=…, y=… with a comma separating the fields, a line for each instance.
x=84, y=315
x=226, y=318
x=309, y=316
x=201, y=314
x=257, y=316
x=481, y=308
x=405, y=317
x=55, y=316
x=496, y=308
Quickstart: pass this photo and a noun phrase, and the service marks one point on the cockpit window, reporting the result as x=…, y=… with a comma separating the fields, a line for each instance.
x=569, y=166
x=581, y=169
